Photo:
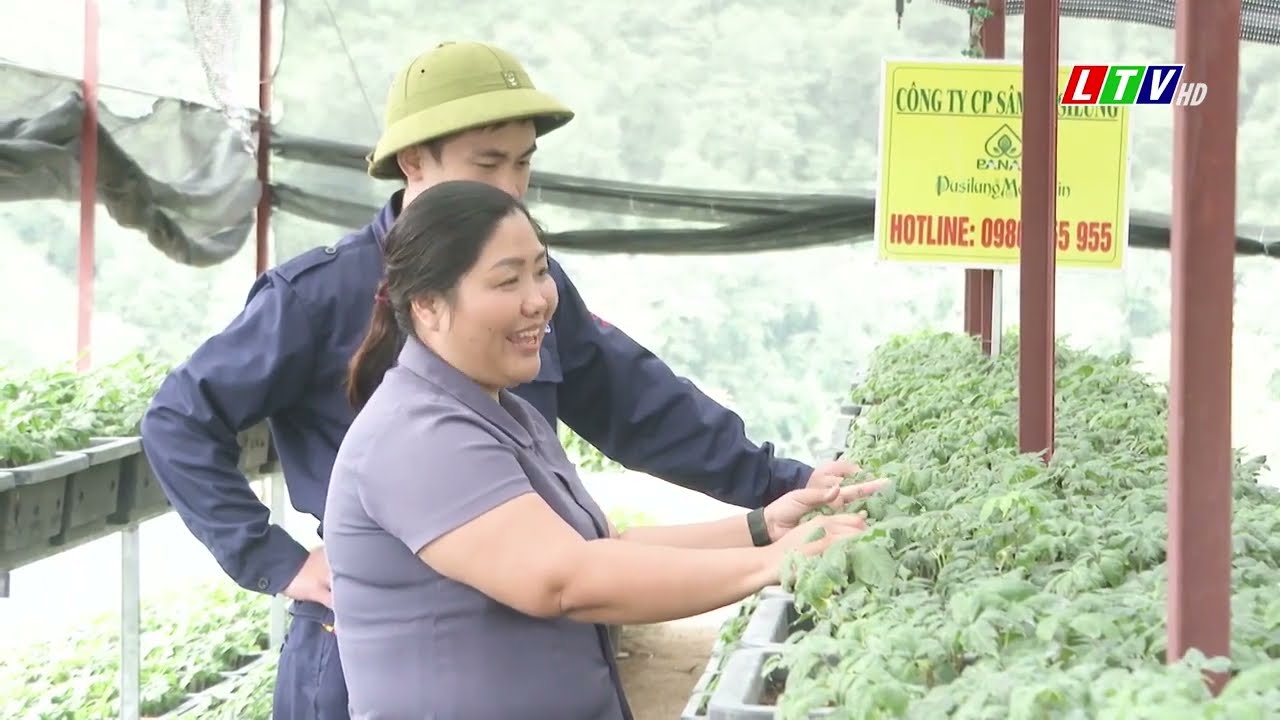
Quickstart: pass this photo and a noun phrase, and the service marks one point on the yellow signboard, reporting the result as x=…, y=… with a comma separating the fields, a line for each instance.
x=951, y=169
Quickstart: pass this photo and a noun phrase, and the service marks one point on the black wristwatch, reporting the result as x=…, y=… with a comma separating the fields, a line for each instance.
x=756, y=524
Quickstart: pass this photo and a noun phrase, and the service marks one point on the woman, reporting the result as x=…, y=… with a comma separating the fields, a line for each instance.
x=472, y=573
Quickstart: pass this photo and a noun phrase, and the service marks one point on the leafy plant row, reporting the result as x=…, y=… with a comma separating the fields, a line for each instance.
x=246, y=698
x=50, y=410
x=188, y=642
x=993, y=585
x=583, y=454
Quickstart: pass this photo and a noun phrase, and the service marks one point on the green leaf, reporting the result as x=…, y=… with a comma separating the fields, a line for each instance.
x=1092, y=625
x=872, y=564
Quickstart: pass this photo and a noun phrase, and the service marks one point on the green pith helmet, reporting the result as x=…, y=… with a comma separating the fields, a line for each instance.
x=456, y=87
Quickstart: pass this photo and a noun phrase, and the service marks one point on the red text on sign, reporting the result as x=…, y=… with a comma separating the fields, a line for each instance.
x=1088, y=236
x=930, y=230
x=994, y=233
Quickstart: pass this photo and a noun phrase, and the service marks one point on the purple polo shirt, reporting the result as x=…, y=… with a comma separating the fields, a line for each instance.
x=428, y=453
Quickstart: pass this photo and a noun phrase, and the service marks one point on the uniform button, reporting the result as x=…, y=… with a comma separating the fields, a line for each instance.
x=330, y=250
x=263, y=583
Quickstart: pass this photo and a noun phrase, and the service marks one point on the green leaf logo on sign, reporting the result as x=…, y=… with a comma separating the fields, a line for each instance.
x=1004, y=143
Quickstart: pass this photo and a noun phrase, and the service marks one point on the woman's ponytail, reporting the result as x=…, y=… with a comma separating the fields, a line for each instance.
x=377, y=352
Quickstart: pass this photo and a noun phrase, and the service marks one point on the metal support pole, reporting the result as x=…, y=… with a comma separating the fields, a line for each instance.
x=1039, y=213
x=130, y=624
x=997, y=311
x=1202, y=242
x=278, y=511
x=88, y=187
x=979, y=285
x=263, y=259
x=264, y=137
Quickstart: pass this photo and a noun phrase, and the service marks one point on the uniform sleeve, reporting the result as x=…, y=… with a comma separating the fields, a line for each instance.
x=437, y=478
x=257, y=366
x=625, y=401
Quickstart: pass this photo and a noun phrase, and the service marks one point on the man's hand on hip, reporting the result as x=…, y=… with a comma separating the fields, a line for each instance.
x=314, y=582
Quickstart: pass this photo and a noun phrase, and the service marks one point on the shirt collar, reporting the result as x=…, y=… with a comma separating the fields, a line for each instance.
x=386, y=217
x=420, y=360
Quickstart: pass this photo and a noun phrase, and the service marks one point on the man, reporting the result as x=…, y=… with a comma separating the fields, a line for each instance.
x=460, y=111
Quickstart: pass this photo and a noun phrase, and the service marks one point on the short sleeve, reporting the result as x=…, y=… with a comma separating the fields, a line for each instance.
x=438, y=478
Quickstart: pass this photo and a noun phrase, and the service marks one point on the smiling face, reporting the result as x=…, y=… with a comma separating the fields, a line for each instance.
x=492, y=324
x=499, y=155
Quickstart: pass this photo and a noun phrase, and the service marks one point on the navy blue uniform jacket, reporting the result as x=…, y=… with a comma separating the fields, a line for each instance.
x=284, y=358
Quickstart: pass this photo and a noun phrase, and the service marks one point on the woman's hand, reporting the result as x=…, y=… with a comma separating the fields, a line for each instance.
x=782, y=515
x=801, y=538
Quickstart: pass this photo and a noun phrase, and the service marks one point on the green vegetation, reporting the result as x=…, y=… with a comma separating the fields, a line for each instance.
x=993, y=585
x=730, y=634
x=584, y=454
x=246, y=697
x=189, y=642
x=622, y=518
x=49, y=410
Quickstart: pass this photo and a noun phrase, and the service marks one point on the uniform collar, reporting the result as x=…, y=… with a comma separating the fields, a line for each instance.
x=386, y=217
x=423, y=362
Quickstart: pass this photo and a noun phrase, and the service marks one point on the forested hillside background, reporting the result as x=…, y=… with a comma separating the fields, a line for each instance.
x=721, y=94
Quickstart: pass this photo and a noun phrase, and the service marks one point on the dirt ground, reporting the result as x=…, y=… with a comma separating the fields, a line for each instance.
x=660, y=664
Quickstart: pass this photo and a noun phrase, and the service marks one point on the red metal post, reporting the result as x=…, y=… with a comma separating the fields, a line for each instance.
x=1203, y=245
x=1039, y=213
x=979, y=293
x=264, y=136
x=979, y=285
x=88, y=188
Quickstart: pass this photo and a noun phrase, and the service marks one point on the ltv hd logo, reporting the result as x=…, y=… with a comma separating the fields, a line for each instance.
x=1130, y=85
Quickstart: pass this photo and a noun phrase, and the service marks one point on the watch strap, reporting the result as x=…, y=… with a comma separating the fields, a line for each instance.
x=756, y=525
